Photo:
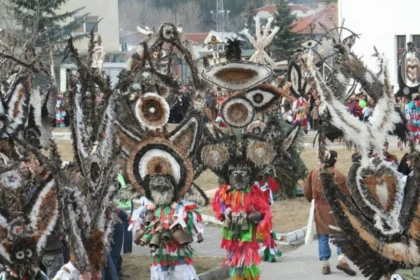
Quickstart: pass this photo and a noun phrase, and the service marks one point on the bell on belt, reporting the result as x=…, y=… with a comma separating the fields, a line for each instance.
x=235, y=225
x=245, y=225
x=139, y=234
x=156, y=239
x=145, y=240
x=148, y=218
x=166, y=236
x=255, y=217
x=228, y=221
x=181, y=237
x=155, y=242
x=199, y=238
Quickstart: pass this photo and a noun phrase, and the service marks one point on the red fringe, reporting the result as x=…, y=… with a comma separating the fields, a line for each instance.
x=245, y=254
x=273, y=184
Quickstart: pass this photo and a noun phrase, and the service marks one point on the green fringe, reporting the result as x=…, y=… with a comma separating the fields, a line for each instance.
x=166, y=257
x=245, y=236
x=247, y=272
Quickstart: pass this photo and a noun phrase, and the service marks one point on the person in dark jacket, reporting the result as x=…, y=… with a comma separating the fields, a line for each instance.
x=53, y=258
x=118, y=240
x=405, y=166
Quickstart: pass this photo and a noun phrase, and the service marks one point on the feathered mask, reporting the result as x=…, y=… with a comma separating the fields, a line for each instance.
x=379, y=230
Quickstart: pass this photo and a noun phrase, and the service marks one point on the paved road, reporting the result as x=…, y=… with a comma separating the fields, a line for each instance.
x=294, y=265
x=303, y=264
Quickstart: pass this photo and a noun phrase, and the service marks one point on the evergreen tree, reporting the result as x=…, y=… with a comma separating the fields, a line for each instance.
x=285, y=41
x=41, y=23
x=250, y=12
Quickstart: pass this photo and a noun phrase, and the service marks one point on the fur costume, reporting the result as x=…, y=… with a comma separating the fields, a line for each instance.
x=378, y=227
x=87, y=188
x=161, y=165
x=29, y=208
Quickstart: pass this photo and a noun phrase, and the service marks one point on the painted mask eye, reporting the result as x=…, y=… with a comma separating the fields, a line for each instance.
x=29, y=253
x=262, y=96
x=256, y=127
x=309, y=44
x=238, y=111
x=20, y=255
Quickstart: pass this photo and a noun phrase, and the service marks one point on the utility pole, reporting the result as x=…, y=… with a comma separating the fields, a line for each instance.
x=220, y=16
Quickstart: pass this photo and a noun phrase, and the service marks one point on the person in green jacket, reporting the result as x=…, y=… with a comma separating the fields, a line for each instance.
x=126, y=206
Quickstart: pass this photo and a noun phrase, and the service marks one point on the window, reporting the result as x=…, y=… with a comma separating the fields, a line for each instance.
x=89, y=24
x=401, y=46
x=416, y=41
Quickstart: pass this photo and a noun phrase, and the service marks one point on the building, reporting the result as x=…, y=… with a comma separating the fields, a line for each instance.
x=387, y=25
x=300, y=11
x=325, y=14
x=103, y=17
x=306, y=16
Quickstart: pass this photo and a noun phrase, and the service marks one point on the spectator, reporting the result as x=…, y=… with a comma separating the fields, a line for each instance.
x=390, y=157
x=311, y=104
x=300, y=113
x=368, y=111
x=313, y=189
x=315, y=113
x=412, y=114
x=354, y=108
x=176, y=114
x=53, y=257
x=211, y=103
x=118, y=240
x=405, y=165
x=127, y=206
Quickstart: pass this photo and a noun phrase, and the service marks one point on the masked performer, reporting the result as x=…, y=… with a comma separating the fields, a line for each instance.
x=161, y=166
x=87, y=190
x=29, y=209
x=240, y=159
x=378, y=226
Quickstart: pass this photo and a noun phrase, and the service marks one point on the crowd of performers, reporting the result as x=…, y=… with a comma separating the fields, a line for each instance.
x=125, y=150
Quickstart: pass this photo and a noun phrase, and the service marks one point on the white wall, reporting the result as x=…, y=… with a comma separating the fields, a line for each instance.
x=379, y=22
x=108, y=28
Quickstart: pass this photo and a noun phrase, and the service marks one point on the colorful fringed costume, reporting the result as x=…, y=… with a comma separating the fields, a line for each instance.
x=242, y=244
x=176, y=226
x=268, y=186
x=300, y=114
x=412, y=114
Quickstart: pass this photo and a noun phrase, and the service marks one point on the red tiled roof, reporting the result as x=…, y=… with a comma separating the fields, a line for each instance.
x=196, y=38
x=328, y=16
x=294, y=7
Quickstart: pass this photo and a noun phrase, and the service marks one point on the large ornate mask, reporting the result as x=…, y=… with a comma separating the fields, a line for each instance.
x=27, y=216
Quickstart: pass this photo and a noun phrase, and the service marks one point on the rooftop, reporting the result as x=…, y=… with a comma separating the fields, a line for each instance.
x=327, y=15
